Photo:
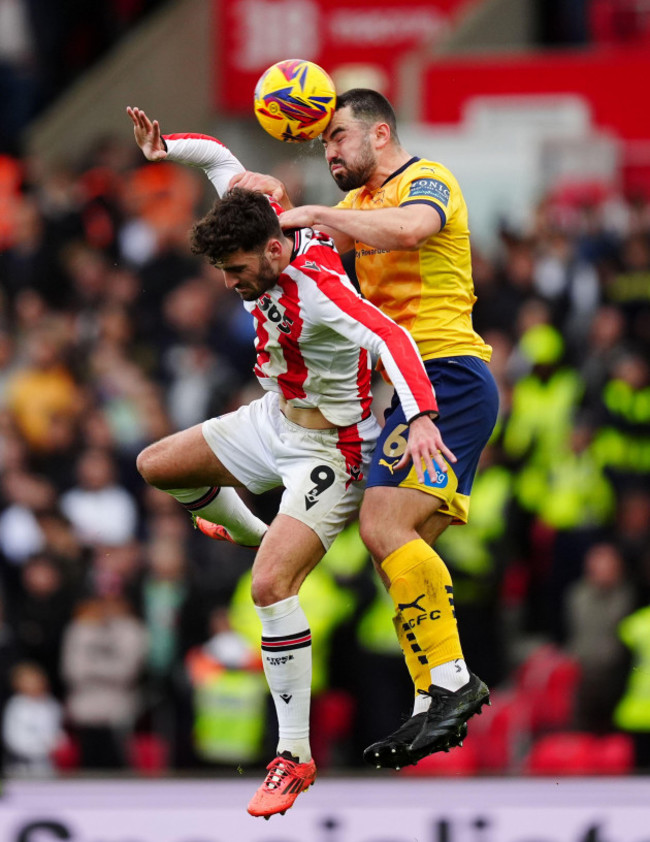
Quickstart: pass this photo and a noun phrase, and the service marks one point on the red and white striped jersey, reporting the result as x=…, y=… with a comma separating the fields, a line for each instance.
x=313, y=330
x=313, y=334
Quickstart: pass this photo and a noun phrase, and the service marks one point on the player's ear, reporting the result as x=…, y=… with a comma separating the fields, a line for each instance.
x=382, y=134
x=273, y=248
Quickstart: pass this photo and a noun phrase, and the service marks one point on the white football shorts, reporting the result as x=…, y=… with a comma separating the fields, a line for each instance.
x=323, y=471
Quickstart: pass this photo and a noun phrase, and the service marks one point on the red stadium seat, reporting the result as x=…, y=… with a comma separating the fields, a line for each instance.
x=615, y=754
x=566, y=753
x=578, y=753
x=556, y=710
x=500, y=730
x=148, y=753
x=618, y=22
x=547, y=682
x=331, y=722
x=66, y=756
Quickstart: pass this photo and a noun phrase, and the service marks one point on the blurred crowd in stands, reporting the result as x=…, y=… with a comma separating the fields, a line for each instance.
x=128, y=640
x=45, y=46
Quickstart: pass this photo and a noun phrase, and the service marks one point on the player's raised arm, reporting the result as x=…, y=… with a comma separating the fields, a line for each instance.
x=147, y=135
x=190, y=148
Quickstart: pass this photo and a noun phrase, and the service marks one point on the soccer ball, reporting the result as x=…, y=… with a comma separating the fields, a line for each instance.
x=294, y=100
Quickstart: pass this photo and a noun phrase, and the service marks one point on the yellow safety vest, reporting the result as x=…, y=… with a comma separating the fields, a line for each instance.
x=633, y=711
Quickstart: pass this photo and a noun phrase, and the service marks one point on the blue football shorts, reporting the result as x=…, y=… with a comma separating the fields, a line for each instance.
x=468, y=402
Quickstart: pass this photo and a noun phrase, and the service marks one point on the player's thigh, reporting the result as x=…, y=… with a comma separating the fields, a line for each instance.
x=323, y=482
x=468, y=401
x=434, y=526
x=289, y=552
x=392, y=515
x=384, y=476
x=245, y=442
x=183, y=460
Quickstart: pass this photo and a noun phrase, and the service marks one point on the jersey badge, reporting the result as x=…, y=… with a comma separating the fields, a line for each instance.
x=441, y=479
x=430, y=188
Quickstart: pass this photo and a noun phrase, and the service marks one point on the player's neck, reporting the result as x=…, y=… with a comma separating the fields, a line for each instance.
x=390, y=161
x=287, y=252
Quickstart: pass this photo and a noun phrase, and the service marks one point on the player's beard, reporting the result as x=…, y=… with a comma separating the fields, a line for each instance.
x=356, y=174
x=267, y=277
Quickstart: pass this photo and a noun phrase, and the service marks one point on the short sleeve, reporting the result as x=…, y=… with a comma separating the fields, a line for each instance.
x=430, y=185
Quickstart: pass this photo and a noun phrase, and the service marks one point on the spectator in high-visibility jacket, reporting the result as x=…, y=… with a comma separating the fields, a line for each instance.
x=544, y=401
x=623, y=442
x=633, y=710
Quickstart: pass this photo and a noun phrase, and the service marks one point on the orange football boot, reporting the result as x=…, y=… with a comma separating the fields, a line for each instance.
x=218, y=532
x=285, y=780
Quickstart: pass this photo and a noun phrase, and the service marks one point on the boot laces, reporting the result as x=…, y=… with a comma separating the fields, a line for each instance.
x=278, y=771
x=437, y=700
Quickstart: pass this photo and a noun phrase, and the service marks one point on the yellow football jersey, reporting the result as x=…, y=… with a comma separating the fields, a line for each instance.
x=430, y=291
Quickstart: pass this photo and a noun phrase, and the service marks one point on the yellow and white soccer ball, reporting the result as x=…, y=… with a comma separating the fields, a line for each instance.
x=294, y=100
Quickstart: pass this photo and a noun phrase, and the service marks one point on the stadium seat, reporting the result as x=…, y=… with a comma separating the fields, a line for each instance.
x=565, y=753
x=615, y=754
x=556, y=709
x=148, y=754
x=618, y=22
x=499, y=732
x=578, y=753
x=547, y=682
x=66, y=756
x=331, y=722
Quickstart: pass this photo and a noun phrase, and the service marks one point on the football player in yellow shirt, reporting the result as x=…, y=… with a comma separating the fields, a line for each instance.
x=406, y=219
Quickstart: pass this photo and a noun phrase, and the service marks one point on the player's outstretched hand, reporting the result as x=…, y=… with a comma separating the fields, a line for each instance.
x=147, y=135
x=261, y=183
x=426, y=448
x=305, y=216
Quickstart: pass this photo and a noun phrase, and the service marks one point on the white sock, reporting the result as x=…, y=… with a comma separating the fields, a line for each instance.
x=452, y=676
x=421, y=704
x=286, y=653
x=223, y=506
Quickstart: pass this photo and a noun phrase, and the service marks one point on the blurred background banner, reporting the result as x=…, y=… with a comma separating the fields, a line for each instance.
x=364, y=37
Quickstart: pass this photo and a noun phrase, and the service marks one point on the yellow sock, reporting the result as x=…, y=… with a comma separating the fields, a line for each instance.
x=421, y=589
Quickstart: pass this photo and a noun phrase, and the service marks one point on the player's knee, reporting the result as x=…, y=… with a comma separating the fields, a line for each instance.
x=369, y=532
x=147, y=464
x=267, y=589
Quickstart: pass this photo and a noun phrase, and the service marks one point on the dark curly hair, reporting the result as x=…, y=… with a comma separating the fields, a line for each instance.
x=241, y=219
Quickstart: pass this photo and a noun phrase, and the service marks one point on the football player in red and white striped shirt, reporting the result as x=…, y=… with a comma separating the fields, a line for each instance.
x=312, y=432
